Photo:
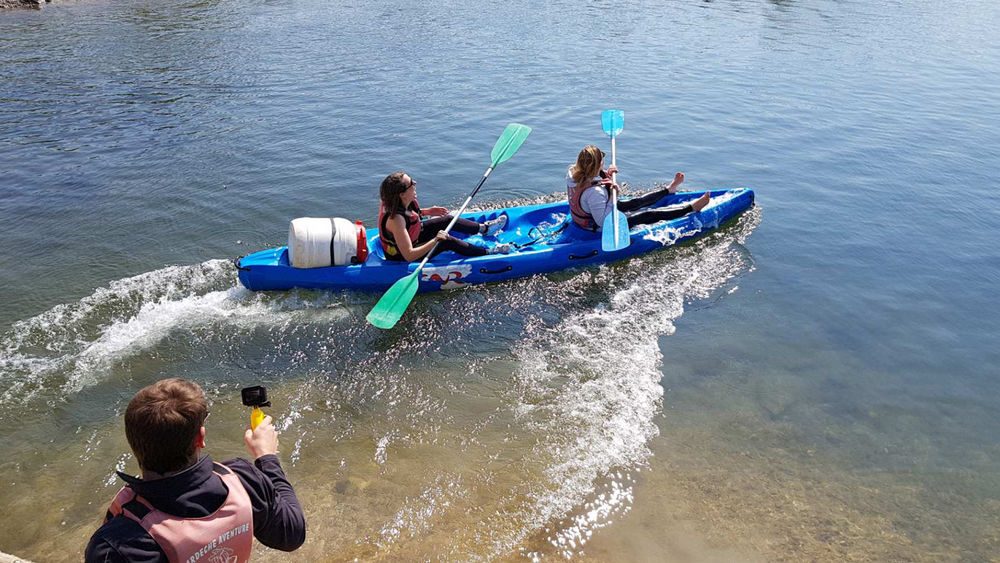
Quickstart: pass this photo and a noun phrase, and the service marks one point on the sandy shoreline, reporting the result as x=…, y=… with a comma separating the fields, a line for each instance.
x=8, y=558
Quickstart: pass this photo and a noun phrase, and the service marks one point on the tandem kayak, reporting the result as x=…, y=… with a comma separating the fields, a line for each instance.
x=543, y=240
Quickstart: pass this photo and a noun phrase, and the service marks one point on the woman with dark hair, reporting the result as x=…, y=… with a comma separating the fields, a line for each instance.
x=406, y=236
x=588, y=185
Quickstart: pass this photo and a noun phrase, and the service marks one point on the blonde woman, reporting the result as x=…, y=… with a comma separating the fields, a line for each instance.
x=588, y=187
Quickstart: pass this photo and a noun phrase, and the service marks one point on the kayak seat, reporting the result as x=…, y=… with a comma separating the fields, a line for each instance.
x=375, y=248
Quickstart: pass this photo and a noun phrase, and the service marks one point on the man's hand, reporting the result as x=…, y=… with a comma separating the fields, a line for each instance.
x=262, y=440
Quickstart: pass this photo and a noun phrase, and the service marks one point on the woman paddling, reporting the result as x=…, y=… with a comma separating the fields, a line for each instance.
x=407, y=237
x=588, y=185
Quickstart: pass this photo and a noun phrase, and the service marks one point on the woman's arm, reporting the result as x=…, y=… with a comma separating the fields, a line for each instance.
x=397, y=226
x=436, y=211
x=597, y=202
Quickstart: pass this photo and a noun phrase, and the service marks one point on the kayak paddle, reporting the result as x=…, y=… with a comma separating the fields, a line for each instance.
x=614, y=235
x=390, y=308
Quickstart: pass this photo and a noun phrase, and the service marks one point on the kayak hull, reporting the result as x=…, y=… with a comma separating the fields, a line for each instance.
x=545, y=241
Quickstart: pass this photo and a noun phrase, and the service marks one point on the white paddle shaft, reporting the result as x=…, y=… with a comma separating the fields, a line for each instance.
x=462, y=210
x=614, y=193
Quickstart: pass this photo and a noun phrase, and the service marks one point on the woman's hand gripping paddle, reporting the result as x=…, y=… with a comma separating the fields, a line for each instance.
x=390, y=308
x=614, y=231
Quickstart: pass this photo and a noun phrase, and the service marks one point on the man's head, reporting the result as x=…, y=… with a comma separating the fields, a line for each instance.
x=163, y=424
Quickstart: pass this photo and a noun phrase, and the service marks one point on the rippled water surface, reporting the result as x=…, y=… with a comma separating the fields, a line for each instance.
x=815, y=381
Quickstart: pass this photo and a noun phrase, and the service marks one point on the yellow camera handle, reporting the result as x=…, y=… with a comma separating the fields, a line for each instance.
x=256, y=417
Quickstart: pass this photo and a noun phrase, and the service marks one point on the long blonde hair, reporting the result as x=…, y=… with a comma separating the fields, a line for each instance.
x=587, y=167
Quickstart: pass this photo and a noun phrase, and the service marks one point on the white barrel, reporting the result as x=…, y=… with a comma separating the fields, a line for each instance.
x=318, y=242
x=345, y=241
x=309, y=242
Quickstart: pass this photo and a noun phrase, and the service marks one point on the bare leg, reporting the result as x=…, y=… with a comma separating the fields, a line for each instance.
x=678, y=180
x=636, y=203
x=701, y=202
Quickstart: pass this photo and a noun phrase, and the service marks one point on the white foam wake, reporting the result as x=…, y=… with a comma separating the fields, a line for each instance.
x=592, y=384
x=74, y=345
x=587, y=387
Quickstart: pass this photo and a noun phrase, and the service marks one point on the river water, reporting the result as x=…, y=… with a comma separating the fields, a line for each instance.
x=816, y=381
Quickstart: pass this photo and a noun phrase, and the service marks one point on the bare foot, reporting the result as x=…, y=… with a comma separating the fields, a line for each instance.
x=701, y=202
x=678, y=178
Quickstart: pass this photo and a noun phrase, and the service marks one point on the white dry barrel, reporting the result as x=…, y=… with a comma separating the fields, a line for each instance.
x=318, y=242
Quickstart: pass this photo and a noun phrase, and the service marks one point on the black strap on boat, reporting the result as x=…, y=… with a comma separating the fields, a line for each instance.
x=590, y=254
x=333, y=241
x=236, y=262
x=542, y=235
x=499, y=270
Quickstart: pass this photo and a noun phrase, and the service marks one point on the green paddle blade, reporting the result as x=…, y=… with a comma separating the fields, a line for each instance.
x=612, y=239
x=508, y=143
x=613, y=121
x=390, y=308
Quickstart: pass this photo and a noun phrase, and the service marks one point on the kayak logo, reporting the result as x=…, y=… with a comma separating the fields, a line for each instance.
x=450, y=277
x=223, y=555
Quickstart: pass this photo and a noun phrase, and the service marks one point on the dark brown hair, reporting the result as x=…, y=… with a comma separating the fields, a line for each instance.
x=392, y=187
x=162, y=421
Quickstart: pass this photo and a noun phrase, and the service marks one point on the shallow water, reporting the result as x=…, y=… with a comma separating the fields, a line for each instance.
x=816, y=381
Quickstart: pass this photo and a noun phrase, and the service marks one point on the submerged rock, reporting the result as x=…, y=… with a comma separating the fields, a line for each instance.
x=351, y=486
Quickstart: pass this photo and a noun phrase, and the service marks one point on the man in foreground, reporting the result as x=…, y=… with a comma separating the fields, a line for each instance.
x=186, y=508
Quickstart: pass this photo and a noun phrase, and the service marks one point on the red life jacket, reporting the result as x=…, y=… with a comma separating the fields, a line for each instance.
x=225, y=536
x=574, y=193
x=412, y=218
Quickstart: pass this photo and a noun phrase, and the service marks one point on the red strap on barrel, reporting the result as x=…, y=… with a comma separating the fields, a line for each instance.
x=362, y=243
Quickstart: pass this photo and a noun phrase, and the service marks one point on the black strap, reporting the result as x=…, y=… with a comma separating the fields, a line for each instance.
x=333, y=239
x=140, y=510
x=542, y=236
x=137, y=509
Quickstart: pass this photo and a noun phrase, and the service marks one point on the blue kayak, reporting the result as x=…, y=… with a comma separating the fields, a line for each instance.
x=542, y=237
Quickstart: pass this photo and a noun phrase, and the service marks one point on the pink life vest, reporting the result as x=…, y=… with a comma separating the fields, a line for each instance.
x=412, y=218
x=574, y=193
x=225, y=536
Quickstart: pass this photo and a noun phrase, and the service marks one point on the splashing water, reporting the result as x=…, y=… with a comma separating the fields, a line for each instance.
x=568, y=366
x=74, y=345
x=558, y=456
x=591, y=384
